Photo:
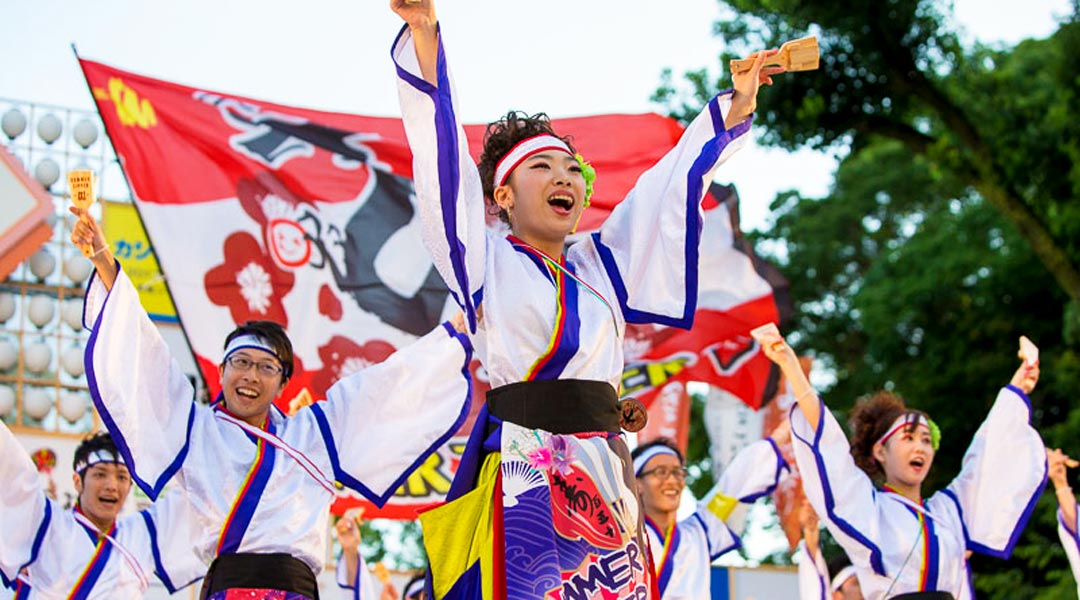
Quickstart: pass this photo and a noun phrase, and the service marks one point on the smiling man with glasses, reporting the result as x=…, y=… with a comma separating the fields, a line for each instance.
x=682, y=551
x=261, y=483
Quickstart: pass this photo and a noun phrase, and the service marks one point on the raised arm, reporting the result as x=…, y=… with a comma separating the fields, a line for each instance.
x=87, y=235
x=24, y=511
x=777, y=350
x=1003, y=471
x=143, y=396
x=448, y=189
x=1067, y=526
x=419, y=16
x=838, y=490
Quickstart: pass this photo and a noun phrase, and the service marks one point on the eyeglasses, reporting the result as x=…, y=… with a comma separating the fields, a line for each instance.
x=663, y=473
x=243, y=363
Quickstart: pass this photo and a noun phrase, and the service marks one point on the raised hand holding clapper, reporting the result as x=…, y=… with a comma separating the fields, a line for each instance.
x=81, y=188
x=795, y=55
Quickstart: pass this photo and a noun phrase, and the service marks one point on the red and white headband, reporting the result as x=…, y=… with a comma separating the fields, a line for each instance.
x=524, y=149
x=905, y=421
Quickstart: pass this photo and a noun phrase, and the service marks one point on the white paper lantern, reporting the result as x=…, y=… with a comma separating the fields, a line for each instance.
x=49, y=128
x=47, y=172
x=36, y=403
x=9, y=354
x=13, y=123
x=72, y=361
x=42, y=309
x=7, y=306
x=71, y=313
x=7, y=400
x=85, y=133
x=72, y=406
x=36, y=357
x=42, y=263
x=77, y=268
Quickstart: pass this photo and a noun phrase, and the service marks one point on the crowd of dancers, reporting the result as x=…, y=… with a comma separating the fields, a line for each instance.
x=548, y=500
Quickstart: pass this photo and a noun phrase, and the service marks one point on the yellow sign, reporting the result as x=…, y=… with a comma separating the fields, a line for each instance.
x=132, y=248
x=132, y=110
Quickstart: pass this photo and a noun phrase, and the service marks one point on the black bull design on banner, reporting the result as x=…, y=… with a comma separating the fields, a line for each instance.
x=387, y=209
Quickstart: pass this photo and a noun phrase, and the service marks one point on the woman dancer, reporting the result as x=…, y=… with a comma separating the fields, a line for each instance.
x=902, y=544
x=548, y=326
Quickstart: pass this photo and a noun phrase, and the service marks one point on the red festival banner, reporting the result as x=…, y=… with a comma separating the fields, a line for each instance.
x=737, y=292
x=263, y=211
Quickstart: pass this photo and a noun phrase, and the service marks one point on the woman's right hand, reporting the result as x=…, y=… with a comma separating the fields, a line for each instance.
x=87, y=235
x=417, y=14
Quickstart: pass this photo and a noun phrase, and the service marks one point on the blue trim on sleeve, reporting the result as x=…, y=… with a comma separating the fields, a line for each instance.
x=933, y=559
x=781, y=465
x=35, y=547
x=959, y=511
x=1014, y=537
x=708, y=156
x=736, y=540
x=876, y=562
x=151, y=490
x=354, y=483
x=159, y=567
x=446, y=141
x=1023, y=396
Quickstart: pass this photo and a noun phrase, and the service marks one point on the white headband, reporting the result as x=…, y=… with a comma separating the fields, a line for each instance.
x=652, y=452
x=841, y=578
x=414, y=588
x=248, y=340
x=901, y=422
x=524, y=149
x=98, y=457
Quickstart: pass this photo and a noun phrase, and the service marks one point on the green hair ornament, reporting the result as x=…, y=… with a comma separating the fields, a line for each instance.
x=935, y=434
x=589, y=173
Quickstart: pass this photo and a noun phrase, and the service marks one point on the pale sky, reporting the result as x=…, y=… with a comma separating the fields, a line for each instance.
x=563, y=57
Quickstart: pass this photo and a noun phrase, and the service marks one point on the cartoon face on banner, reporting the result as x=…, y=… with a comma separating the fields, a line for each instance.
x=359, y=245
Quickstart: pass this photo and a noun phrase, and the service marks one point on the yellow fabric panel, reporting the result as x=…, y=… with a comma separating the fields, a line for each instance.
x=459, y=533
x=721, y=506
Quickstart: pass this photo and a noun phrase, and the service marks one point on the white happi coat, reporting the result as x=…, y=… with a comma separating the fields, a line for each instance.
x=361, y=587
x=983, y=509
x=814, y=581
x=1071, y=541
x=56, y=549
x=643, y=261
x=367, y=435
x=703, y=536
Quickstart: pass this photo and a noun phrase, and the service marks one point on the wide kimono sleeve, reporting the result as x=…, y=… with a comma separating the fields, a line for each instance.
x=382, y=422
x=25, y=512
x=1071, y=541
x=1001, y=477
x=448, y=188
x=172, y=528
x=361, y=587
x=838, y=490
x=649, y=243
x=813, y=574
x=143, y=396
x=753, y=473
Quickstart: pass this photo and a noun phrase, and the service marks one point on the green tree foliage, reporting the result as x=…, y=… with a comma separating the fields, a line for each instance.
x=929, y=256
x=896, y=69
